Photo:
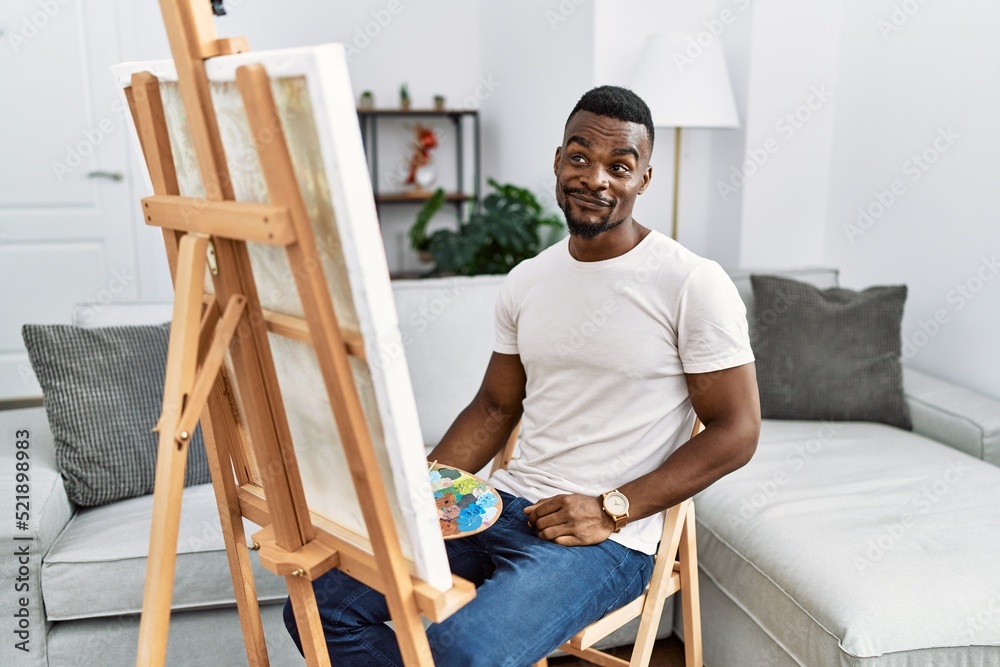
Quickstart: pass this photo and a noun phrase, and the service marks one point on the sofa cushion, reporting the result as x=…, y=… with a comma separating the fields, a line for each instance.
x=103, y=392
x=847, y=541
x=957, y=416
x=115, y=314
x=459, y=310
x=97, y=567
x=818, y=277
x=829, y=354
x=196, y=639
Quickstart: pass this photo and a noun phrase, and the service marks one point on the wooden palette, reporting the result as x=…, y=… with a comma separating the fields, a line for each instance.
x=466, y=504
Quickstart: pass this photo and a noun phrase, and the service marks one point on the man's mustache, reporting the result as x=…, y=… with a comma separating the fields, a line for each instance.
x=588, y=193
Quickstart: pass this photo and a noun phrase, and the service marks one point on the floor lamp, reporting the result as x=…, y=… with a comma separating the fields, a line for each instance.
x=684, y=80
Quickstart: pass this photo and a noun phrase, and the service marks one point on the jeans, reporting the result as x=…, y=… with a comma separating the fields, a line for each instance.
x=532, y=595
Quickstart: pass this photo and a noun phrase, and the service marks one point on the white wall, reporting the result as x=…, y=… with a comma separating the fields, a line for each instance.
x=889, y=96
x=898, y=93
x=789, y=136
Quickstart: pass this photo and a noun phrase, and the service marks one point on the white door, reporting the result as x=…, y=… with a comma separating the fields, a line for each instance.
x=66, y=232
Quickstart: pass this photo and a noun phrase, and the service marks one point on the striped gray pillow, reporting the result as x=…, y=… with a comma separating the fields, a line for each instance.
x=829, y=354
x=103, y=391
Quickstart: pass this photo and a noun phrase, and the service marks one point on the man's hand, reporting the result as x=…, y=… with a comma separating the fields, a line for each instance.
x=572, y=520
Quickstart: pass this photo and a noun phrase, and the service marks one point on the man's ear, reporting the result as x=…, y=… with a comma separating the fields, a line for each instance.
x=555, y=163
x=646, y=176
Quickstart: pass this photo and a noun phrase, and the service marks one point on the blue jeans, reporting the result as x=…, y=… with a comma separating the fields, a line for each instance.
x=532, y=595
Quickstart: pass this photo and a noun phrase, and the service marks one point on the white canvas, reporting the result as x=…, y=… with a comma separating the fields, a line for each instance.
x=313, y=93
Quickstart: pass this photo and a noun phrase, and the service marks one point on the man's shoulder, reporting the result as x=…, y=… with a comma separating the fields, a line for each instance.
x=679, y=261
x=545, y=261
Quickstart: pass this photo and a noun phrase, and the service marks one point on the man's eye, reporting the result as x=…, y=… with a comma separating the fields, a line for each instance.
x=576, y=158
x=619, y=167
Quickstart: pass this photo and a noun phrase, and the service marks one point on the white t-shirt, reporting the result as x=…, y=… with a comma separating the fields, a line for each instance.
x=605, y=346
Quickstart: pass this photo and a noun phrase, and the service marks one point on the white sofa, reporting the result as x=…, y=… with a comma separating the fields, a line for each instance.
x=779, y=583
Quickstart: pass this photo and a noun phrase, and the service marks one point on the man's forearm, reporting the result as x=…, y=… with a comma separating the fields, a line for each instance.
x=476, y=436
x=696, y=465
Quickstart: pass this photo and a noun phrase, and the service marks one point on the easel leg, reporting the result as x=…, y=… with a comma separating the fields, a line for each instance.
x=172, y=453
x=219, y=434
x=307, y=619
x=690, y=600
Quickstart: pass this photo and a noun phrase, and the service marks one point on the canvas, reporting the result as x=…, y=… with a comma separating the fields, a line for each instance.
x=313, y=94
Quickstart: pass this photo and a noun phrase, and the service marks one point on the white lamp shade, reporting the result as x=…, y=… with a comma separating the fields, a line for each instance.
x=685, y=83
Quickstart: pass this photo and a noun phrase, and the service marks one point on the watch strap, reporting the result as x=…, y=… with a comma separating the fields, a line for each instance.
x=619, y=519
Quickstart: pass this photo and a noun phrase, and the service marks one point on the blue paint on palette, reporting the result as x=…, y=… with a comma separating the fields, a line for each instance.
x=466, y=504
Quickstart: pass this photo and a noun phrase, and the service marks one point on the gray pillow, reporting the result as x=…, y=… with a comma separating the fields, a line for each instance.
x=103, y=390
x=829, y=354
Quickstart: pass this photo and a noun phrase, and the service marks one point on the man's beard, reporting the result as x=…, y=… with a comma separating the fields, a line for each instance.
x=586, y=230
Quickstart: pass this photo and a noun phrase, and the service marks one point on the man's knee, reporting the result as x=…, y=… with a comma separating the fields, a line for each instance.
x=289, y=616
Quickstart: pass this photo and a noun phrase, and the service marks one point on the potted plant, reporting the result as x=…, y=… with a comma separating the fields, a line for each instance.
x=439, y=102
x=404, y=97
x=510, y=227
x=367, y=100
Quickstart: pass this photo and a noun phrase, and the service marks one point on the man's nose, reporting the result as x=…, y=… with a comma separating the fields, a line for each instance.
x=596, y=178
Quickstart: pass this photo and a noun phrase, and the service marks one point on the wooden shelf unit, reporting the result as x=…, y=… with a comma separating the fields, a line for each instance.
x=369, y=120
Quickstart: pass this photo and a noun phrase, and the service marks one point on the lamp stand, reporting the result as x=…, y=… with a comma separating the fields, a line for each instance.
x=677, y=179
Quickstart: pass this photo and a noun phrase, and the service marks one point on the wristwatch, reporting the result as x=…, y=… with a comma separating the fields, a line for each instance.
x=615, y=505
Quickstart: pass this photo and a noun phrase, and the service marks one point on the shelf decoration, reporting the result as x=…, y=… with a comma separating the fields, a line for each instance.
x=404, y=97
x=421, y=175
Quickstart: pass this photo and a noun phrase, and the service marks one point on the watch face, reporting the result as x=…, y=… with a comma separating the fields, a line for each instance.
x=616, y=503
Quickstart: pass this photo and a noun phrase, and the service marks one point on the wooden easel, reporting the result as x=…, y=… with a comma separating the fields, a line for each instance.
x=254, y=471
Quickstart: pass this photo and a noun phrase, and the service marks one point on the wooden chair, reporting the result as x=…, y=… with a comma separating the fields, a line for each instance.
x=675, y=569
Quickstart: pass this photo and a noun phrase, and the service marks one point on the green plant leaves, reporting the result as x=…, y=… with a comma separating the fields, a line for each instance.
x=494, y=239
x=418, y=232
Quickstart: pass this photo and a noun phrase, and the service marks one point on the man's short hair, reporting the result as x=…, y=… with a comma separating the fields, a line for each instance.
x=618, y=103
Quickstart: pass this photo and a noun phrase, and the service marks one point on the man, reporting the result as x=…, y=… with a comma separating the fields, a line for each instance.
x=607, y=344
